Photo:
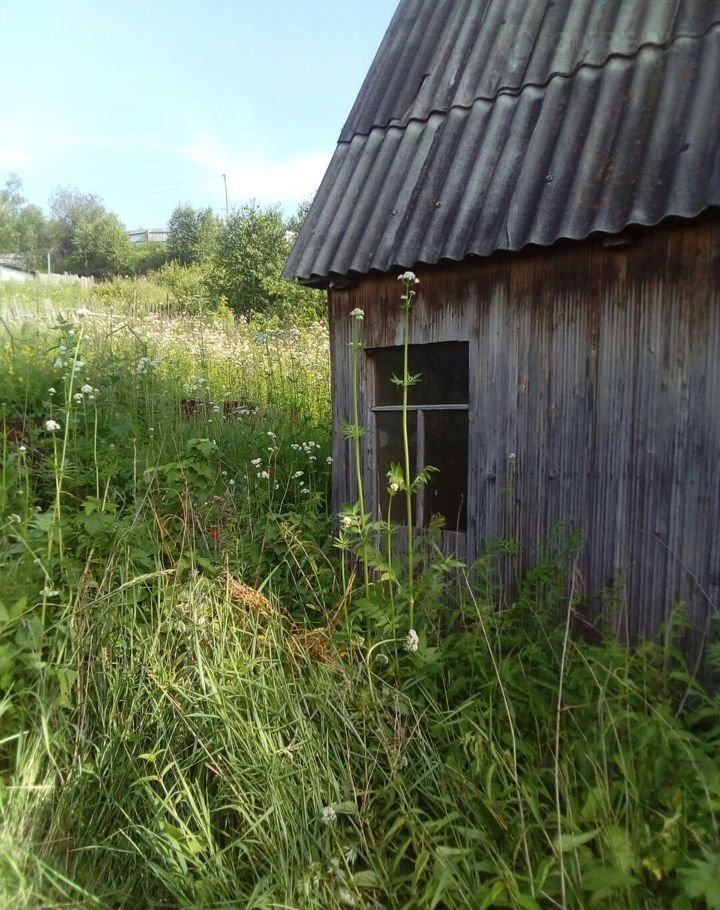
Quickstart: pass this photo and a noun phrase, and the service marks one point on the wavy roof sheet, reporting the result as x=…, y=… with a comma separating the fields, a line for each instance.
x=488, y=125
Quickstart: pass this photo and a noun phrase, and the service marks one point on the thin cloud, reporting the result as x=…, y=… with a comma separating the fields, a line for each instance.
x=288, y=180
x=13, y=157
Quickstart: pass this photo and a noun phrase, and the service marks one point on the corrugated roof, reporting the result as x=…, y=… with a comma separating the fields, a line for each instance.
x=488, y=125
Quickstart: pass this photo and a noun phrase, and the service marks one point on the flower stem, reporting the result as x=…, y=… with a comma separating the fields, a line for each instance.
x=407, y=303
x=358, y=461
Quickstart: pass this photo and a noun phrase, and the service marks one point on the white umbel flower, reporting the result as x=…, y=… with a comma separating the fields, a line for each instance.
x=51, y=426
x=328, y=816
x=412, y=642
x=410, y=277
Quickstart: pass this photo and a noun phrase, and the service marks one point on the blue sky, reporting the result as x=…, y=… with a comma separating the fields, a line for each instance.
x=147, y=102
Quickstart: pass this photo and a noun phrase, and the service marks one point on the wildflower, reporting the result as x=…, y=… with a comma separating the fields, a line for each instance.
x=358, y=314
x=512, y=457
x=394, y=487
x=256, y=462
x=329, y=460
x=410, y=277
x=87, y=389
x=59, y=363
x=263, y=475
x=48, y=591
x=22, y=449
x=52, y=391
x=328, y=816
x=271, y=434
x=15, y=518
x=78, y=396
x=346, y=521
x=51, y=426
x=412, y=641
x=231, y=482
x=298, y=474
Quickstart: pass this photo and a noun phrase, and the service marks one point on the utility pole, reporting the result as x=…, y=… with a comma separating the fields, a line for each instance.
x=227, y=207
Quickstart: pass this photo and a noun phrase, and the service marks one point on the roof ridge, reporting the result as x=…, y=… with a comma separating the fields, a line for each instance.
x=508, y=91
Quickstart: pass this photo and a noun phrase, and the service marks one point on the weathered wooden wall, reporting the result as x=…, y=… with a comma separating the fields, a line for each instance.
x=599, y=368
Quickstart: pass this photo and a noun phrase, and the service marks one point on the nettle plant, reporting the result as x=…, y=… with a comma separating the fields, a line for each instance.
x=402, y=571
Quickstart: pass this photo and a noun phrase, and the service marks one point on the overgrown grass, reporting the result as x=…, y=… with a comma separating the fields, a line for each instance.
x=190, y=716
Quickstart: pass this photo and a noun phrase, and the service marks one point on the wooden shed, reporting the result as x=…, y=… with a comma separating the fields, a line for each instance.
x=550, y=169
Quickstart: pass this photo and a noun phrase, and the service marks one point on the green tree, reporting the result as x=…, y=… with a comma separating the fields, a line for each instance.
x=23, y=227
x=296, y=221
x=100, y=246
x=251, y=251
x=192, y=235
x=33, y=236
x=11, y=197
x=69, y=208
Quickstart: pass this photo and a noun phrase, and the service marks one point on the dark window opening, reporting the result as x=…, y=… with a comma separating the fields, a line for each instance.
x=437, y=429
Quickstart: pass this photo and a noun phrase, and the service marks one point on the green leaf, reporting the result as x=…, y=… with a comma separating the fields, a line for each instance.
x=607, y=878
x=345, y=808
x=703, y=880
x=366, y=879
x=527, y=901
x=568, y=842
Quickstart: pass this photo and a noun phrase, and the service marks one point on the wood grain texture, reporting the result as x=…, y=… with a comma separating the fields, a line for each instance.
x=599, y=369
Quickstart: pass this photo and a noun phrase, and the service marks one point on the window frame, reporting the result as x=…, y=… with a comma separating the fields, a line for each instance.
x=419, y=410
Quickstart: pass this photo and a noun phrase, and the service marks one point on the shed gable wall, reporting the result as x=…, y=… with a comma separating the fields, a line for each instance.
x=599, y=369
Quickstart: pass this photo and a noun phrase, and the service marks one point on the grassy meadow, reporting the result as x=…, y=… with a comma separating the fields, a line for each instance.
x=207, y=702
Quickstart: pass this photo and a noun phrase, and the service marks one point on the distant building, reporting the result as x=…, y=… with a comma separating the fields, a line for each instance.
x=14, y=261
x=13, y=273
x=148, y=236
